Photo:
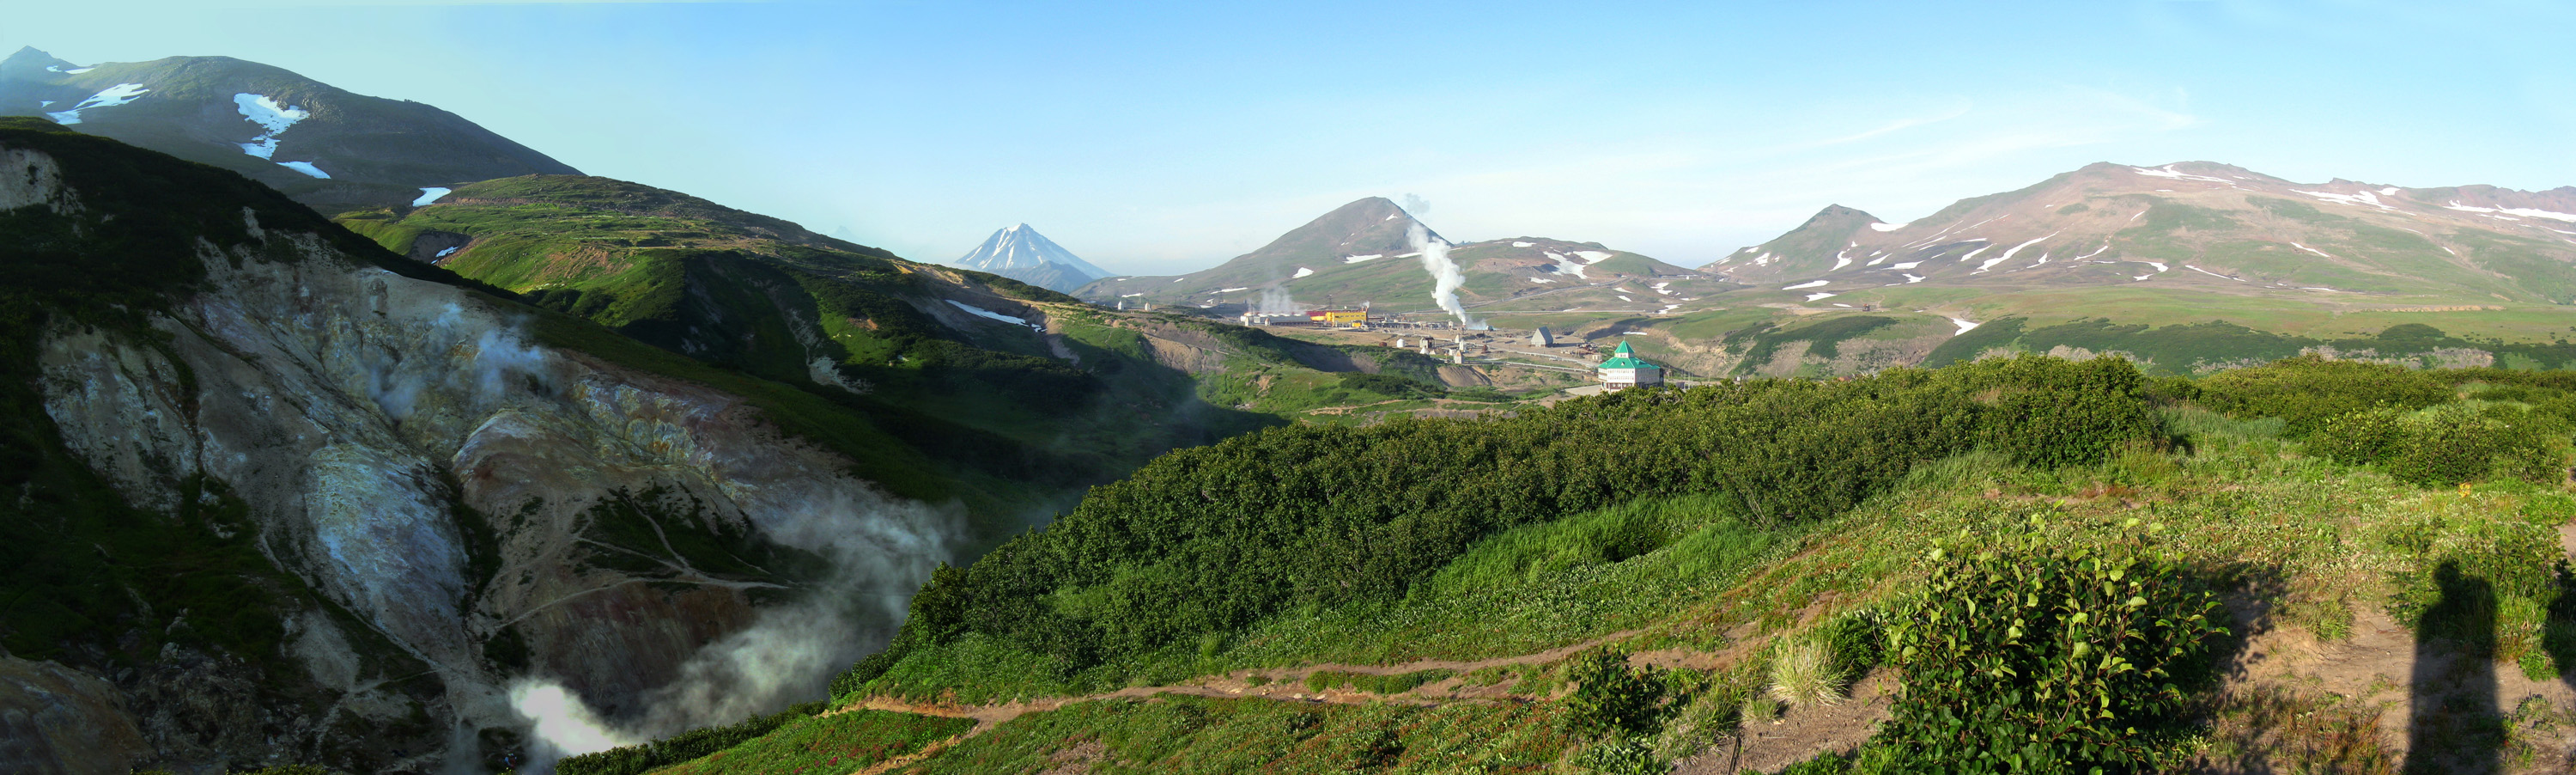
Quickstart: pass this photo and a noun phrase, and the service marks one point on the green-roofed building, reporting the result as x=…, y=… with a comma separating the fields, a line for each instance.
x=1624, y=370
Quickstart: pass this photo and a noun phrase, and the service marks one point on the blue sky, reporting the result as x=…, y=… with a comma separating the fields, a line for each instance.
x=1160, y=138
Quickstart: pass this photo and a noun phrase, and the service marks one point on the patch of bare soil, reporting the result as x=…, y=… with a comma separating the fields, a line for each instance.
x=1802, y=733
x=2295, y=702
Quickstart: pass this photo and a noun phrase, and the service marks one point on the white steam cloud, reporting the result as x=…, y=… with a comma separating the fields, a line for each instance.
x=559, y=724
x=880, y=549
x=1445, y=277
x=500, y=360
x=1275, y=300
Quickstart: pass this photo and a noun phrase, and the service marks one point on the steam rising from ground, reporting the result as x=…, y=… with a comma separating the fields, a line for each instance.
x=501, y=360
x=1276, y=301
x=560, y=724
x=1444, y=272
x=880, y=549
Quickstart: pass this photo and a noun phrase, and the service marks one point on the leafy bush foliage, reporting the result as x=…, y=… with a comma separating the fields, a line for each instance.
x=1612, y=697
x=1214, y=539
x=2045, y=656
x=2307, y=391
x=2469, y=441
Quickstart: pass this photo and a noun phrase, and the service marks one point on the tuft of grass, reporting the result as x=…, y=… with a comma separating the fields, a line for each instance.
x=1760, y=707
x=1803, y=673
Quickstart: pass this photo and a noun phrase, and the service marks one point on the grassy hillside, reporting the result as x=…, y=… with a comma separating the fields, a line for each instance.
x=1587, y=610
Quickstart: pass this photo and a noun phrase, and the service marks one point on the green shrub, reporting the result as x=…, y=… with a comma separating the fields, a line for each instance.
x=1612, y=697
x=2448, y=444
x=1623, y=756
x=2474, y=441
x=2045, y=412
x=1217, y=539
x=2045, y=655
x=2307, y=391
x=2360, y=438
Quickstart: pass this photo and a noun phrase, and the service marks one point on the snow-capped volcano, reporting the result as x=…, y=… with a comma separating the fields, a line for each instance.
x=1022, y=254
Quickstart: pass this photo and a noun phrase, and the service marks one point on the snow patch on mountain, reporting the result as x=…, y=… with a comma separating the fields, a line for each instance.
x=1817, y=296
x=305, y=167
x=985, y=313
x=271, y=116
x=2310, y=249
x=429, y=194
x=1888, y=226
x=1808, y=284
x=1357, y=259
x=1965, y=325
x=2363, y=199
x=2168, y=172
x=1302, y=272
x=107, y=98
x=2521, y=211
x=1567, y=265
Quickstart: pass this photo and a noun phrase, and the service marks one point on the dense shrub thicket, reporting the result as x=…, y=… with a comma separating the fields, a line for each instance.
x=2308, y=391
x=1213, y=539
x=2469, y=441
x=2040, y=655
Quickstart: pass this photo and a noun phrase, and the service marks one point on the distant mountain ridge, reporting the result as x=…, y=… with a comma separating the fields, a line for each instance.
x=331, y=149
x=1022, y=254
x=2201, y=223
x=1365, y=252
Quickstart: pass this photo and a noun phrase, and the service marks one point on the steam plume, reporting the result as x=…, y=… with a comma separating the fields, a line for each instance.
x=880, y=549
x=1276, y=301
x=1444, y=272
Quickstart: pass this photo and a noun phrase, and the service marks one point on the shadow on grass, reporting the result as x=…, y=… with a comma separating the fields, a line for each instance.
x=2453, y=726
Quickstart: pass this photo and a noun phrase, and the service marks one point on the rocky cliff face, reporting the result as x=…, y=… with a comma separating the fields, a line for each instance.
x=475, y=519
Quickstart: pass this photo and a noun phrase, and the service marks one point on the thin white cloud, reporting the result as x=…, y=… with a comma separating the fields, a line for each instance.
x=1891, y=127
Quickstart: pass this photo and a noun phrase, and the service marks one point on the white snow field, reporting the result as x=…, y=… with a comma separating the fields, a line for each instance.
x=110, y=97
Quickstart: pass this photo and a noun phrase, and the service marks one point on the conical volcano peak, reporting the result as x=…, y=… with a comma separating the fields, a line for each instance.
x=1021, y=253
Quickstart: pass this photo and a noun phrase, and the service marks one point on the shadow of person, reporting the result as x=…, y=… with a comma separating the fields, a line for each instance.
x=2453, y=726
